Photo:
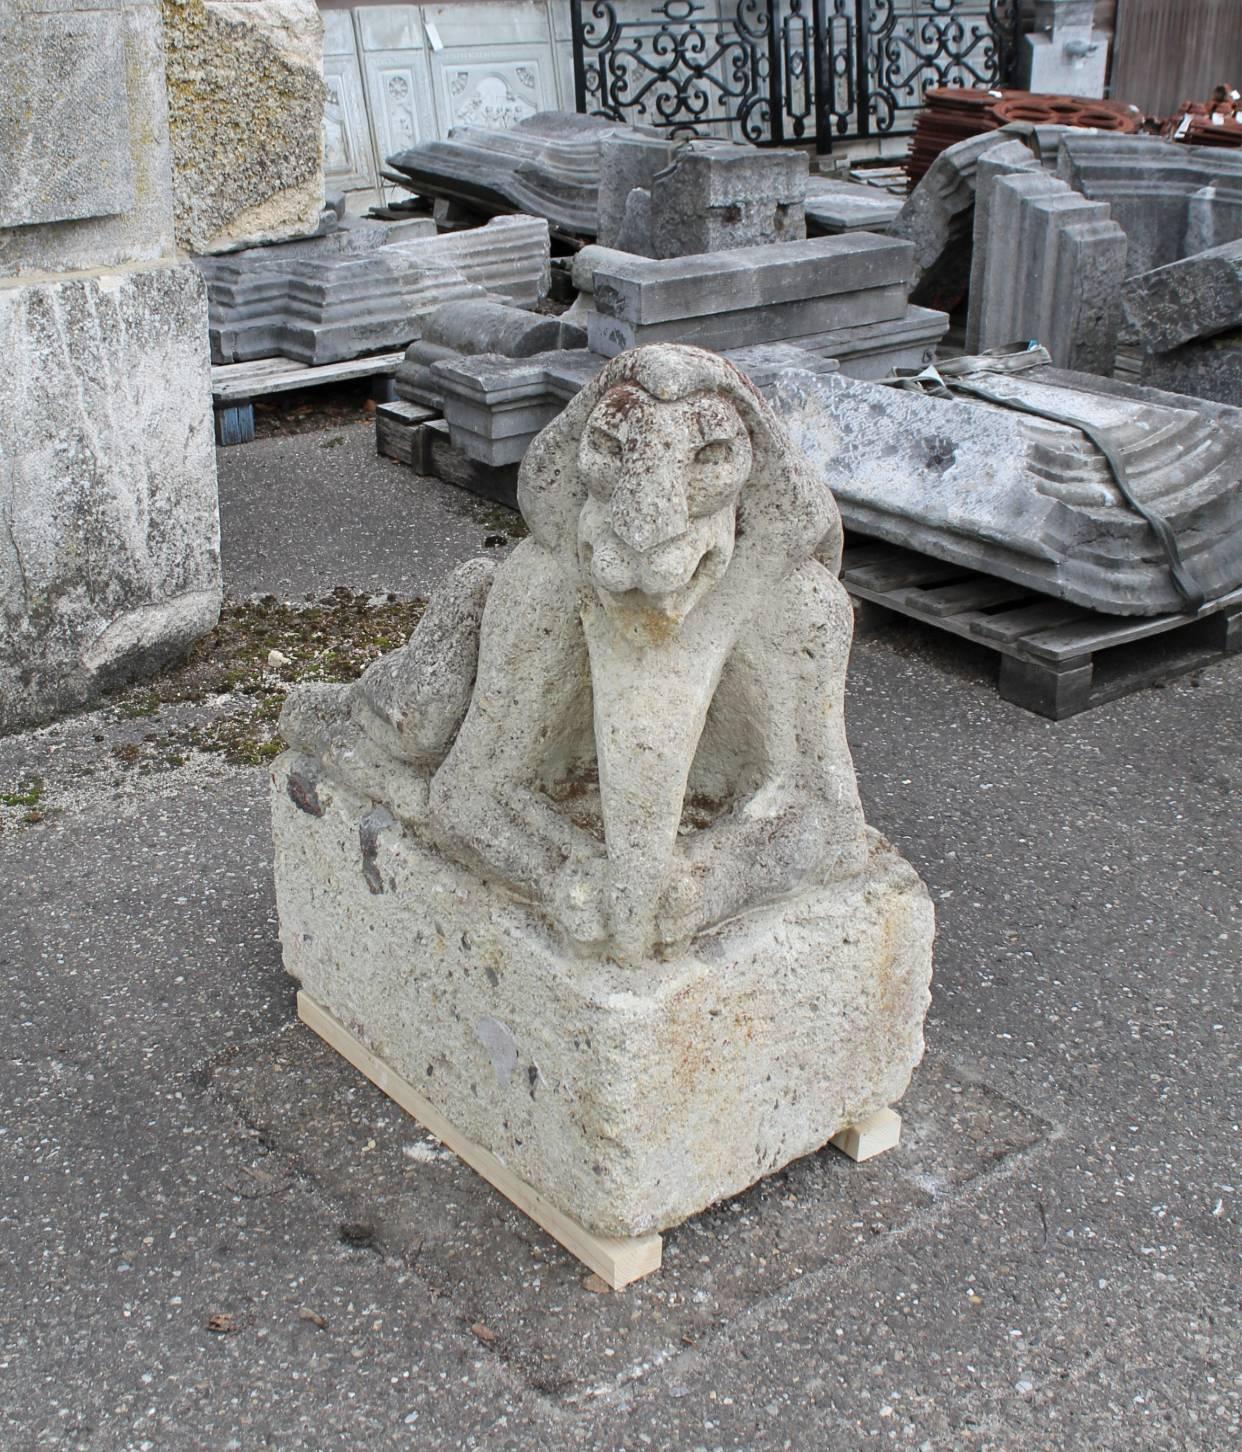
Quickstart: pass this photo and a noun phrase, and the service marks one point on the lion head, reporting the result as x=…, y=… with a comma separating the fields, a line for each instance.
x=663, y=472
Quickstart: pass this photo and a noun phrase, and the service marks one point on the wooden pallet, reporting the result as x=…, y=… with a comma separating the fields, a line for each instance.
x=235, y=386
x=427, y=448
x=1056, y=659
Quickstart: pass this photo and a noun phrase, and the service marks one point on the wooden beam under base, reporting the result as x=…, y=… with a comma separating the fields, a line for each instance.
x=871, y=1136
x=616, y=1261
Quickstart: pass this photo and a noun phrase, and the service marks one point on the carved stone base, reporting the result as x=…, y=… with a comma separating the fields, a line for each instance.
x=629, y=1098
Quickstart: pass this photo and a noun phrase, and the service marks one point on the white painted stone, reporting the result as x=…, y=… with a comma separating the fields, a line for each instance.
x=109, y=530
x=586, y=859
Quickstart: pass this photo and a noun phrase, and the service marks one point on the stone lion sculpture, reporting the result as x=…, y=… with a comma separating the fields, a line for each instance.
x=635, y=722
x=623, y=745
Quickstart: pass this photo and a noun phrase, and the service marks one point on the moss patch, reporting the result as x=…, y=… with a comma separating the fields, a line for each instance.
x=259, y=650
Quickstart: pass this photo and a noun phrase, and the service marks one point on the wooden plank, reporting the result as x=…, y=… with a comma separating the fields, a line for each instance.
x=1101, y=632
x=279, y=375
x=980, y=592
x=1008, y=626
x=614, y=1260
x=234, y=424
x=914, y=570
x=870, y=1137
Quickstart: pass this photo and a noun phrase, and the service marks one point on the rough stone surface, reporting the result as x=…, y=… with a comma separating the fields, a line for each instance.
x=84, y=152
x=109, y=532
x=62, y=82
x=1028, y=499
x=245, y=112
x=620, y=789
x=1195, y=298
x=318, y=304
x=718, y=195
x=1208, y=368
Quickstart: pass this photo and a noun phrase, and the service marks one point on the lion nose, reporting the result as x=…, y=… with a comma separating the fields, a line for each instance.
x=648, y=509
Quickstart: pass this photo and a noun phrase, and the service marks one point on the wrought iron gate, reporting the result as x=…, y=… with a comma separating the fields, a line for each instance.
x=775, y=71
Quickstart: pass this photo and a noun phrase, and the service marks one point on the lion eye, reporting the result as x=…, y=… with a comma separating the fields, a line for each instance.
x=607, y=444
x=716, y=453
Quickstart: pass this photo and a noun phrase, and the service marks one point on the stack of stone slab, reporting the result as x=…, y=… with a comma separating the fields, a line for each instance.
x=495, y=406
x=469, y=328
x=1186, y=319
x=839, y=297
x=990, y=487
x=1048, y=266
x=109, y=546
x=315, y=303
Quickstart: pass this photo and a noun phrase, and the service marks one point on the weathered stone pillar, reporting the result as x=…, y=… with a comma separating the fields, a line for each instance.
x=109, y=527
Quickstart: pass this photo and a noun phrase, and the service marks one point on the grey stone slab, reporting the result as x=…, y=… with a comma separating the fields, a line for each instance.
x=547, y=165
x=834, y=206
x=1052, y=270
x=1171, y=201
x=645, y=292
x=1030, y=500
x=317, y=305
x=875, y=350
x=1194, y=298
x=65, y=140
x=475, y=326
x=988, y=170
x=109, y=530
x=772, y=323
x=717, y=195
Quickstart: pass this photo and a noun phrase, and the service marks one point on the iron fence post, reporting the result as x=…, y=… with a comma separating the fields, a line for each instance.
x=820, y=77
x=575, y=21
x=862, y=67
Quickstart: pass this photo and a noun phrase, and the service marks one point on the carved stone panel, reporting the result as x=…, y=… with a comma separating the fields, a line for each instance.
x=347, y=159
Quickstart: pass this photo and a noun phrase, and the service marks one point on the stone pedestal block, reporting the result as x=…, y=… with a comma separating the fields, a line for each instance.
x=717, y=195
x=629, y=1099
x=109, y=530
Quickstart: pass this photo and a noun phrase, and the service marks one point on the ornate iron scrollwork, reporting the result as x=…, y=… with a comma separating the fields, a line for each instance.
x=772, y=71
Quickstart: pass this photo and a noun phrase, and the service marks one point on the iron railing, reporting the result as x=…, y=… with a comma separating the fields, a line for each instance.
x=776, y=71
